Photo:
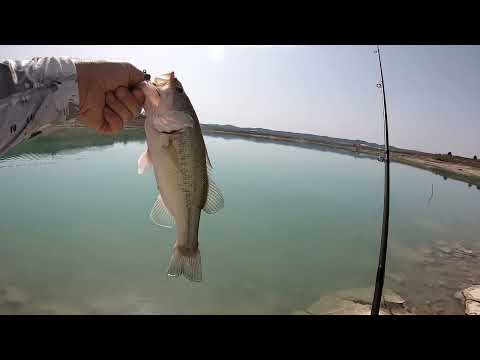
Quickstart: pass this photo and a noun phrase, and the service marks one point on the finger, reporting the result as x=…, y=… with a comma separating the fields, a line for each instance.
x=134, y=75
x=139, y=95
x=91, y=119
x=104, y=128
x=128, y=100
x=112, y=122
x=120, y=109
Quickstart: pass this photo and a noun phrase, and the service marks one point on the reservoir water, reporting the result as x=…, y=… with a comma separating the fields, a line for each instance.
x=298, y=224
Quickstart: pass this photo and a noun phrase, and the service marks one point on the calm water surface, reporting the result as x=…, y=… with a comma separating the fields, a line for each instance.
x=297, y=224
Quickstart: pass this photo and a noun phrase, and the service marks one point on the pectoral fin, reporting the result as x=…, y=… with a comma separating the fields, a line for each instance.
x=144, y=162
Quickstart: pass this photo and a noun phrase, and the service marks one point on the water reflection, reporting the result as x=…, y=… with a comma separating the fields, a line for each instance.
x=70, y=141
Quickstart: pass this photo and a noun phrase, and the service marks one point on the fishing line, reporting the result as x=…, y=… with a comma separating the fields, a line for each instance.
x=430, y=199
x=380, y=134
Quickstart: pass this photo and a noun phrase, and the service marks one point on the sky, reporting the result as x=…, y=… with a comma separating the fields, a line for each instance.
x=432, y=92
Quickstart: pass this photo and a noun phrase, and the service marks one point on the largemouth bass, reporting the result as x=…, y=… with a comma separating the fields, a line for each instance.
x=176, y=149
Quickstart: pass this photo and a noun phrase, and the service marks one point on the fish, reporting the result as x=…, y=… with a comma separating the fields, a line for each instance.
x=176, y=150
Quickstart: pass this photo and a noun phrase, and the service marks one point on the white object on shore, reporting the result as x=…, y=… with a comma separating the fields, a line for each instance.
x=472, y=293
x=472, y=307
x=471, y=298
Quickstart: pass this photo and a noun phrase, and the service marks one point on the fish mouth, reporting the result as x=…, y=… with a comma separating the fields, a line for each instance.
x=172, y=132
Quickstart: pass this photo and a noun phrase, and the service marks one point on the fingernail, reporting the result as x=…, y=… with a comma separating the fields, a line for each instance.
x=121, y=92
x=110, y=97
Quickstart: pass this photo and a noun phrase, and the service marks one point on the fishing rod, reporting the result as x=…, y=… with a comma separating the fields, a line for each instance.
x=386, y=204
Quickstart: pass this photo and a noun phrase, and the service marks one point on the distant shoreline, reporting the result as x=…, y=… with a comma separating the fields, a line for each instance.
x=455, y=167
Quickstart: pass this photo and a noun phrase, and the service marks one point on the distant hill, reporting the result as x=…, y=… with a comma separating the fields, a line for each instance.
x=138, y=122
x=300, y=136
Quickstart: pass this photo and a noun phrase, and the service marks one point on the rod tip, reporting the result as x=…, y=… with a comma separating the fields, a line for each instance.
x=146, y=76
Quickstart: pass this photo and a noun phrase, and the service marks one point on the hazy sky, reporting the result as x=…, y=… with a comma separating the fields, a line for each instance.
x=433, y=92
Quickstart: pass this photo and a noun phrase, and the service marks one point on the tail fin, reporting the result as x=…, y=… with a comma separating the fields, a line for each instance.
x=189, y=266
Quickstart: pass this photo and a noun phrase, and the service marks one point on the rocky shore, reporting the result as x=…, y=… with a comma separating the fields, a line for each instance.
x=438, y=278
x=443, y=279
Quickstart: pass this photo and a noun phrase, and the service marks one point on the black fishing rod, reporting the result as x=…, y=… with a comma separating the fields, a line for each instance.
x=377, y=297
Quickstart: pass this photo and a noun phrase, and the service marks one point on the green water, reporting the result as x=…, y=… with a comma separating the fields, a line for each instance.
x=297, y=224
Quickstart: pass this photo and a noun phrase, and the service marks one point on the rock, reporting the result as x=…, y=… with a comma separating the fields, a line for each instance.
x=54, y=309
x=327, y=304
x=14, y=296
x=399, y=278
x=129, y=303
x=300, y=312
x=427, y=251
x=459, y=296
x=357, y=301
x=395, y=304
x=441, y=283
x=472, y=307
x=359, y=295
x=400, y=311
x=472, y=293
x=346, y=302
x=393, y=298
x=471, y=297
x=341, y=307
x=464, y=250
x=364, y=295
x=441, y=243
x=445, y=249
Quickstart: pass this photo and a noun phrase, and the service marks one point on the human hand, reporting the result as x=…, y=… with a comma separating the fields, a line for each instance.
x=107, y=101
